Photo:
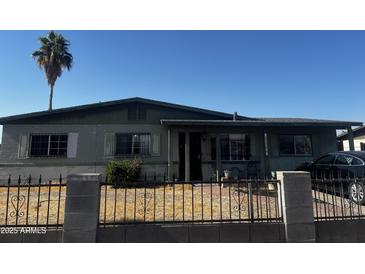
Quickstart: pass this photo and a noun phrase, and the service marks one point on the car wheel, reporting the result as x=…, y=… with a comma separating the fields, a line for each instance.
x=356, y=192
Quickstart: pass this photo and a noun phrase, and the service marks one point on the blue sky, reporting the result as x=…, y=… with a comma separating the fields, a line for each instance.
x=314, y=74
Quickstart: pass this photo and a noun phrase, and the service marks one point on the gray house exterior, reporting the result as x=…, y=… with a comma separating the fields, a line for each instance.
x=177, y=141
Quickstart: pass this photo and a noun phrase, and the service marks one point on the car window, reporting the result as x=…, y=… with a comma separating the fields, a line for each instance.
x=325, y=160
x=343, y=160
x=356, y=162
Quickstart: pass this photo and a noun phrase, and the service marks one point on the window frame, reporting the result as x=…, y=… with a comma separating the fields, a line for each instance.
x=349, y=165
x=133, y=154
x=294, y=145
x=324, y=156
x=230, y=146
x=31, y=135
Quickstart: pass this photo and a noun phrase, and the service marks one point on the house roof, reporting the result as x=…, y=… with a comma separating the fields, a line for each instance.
x=4, y=120
x=226, y=118
x=359, y=131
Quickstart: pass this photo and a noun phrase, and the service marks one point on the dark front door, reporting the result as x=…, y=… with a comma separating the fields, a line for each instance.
x=195, y=156
x=182, y=156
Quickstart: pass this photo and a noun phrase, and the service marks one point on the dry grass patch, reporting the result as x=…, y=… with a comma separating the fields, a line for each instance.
x=185, y=203
x=51, y=204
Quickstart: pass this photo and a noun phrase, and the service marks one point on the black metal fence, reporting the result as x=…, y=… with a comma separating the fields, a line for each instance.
x=338, y=198
x=190, y=202
x=32, y=202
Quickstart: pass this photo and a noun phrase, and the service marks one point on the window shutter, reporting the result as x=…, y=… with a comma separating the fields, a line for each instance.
x=72, y=145
x=155, y=151
x=23, y=147
x=109, y=144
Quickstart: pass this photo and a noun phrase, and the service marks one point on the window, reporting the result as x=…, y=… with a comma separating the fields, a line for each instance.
x=343, y=160
x=347, y=160
x=356, y=162
x=48, y=145
x=326, y=160
x=133, y=144
x=235, y=147
x=295, y=145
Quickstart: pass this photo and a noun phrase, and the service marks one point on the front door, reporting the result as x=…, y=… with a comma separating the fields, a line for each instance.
x=195, y=156
x=182, y=156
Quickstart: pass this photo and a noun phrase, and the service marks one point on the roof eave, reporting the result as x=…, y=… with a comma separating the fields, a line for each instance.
x=257, y=123
x=7, y=119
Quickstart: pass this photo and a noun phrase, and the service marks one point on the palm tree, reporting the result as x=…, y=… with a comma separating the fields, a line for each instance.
x=53, y=57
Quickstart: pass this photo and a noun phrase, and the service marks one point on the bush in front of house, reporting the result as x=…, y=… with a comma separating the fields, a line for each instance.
x=122, y=172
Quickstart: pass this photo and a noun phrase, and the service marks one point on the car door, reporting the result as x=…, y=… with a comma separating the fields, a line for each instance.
x=323, y=166
x=341, y=168
x=359, y=167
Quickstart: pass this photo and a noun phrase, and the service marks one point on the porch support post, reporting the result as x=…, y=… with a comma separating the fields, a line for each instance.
x=351, y=138
x=267, y=154
x=170, y=165
x=187, y=156
x=218, y=160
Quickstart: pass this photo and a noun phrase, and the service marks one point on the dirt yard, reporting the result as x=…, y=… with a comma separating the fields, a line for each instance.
x=169, y=204
x=176, y=204
x=27, y=213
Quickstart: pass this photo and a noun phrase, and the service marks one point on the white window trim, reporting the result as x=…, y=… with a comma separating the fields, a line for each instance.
x=295, y=147
x=244, y=135
x=133, y=154
x=49, y=145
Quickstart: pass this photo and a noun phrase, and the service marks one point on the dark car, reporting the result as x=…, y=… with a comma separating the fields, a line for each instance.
x=347, y=168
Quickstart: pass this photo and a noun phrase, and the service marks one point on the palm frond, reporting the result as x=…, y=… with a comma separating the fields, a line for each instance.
x=53, y=56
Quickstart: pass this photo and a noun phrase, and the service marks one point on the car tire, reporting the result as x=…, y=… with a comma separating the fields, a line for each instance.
x=356, y=192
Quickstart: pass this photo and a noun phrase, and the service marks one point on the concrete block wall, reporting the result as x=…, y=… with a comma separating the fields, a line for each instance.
x=82, y=216
x=82, y=208
x=297, y=206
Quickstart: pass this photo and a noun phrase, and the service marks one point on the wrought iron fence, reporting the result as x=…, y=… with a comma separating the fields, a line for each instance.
x=190, y=202
x=338, y=197
x=32, y=202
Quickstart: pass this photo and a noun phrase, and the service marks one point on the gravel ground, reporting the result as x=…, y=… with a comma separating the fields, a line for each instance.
x=332, y=206
x=31, y=209
x=210, y=203
x=177, y=204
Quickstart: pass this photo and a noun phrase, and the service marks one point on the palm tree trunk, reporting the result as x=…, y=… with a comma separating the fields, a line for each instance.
x=50, y=98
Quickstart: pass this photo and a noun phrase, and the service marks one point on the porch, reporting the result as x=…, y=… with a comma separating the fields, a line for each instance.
x=196, y=154
x=204, y=150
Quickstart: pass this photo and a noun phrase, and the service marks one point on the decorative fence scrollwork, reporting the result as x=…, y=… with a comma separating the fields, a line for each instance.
x=20, y=202
x=173, y=202
x=17, y=201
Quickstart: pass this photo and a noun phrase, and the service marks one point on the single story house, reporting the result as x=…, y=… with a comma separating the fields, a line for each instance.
x=183, y=142
x=358, y=135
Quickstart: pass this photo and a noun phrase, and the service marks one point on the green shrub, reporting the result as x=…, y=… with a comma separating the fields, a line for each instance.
x=123, y=171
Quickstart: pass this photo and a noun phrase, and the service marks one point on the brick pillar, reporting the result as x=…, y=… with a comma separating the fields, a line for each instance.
x=297, y=206
x=82, y=208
